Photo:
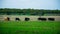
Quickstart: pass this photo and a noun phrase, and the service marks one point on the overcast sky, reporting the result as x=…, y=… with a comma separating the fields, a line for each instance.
x=35, y=4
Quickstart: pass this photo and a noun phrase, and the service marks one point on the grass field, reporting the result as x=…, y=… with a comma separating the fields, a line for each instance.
x=29, y=27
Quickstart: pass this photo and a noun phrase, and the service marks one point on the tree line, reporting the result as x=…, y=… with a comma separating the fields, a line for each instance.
x=27, y=11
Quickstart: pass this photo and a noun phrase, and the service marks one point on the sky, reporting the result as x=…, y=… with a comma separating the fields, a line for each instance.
x=33, y=4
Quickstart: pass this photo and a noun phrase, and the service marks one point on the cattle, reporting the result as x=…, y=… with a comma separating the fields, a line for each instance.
x=7, y=19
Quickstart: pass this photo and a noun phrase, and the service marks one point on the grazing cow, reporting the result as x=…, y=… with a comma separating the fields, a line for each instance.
x=27, y=19
x=51, y=19
x=42, y=19
x=17, y=19
x=7, y=19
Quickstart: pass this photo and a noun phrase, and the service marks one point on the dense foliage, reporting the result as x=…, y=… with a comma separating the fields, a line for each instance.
x=27, y=11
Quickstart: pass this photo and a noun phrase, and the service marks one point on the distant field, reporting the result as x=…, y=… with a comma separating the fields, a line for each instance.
x=29, y=27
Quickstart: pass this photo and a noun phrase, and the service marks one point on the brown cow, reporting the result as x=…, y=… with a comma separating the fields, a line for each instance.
x=6, y=18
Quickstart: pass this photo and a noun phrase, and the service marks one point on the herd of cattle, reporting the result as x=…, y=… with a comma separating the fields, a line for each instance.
x=28, y=18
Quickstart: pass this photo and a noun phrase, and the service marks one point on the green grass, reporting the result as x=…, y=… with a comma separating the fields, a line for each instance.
x=29, y=27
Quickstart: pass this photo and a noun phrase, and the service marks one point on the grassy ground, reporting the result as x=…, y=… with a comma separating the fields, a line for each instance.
x=29, y=27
